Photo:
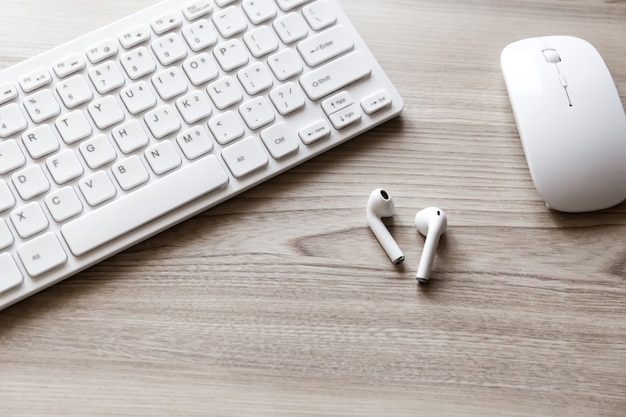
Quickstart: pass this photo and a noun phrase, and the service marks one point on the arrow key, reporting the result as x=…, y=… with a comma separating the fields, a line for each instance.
x=376, y=102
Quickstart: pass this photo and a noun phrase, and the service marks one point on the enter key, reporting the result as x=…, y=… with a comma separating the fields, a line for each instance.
x=325, y=46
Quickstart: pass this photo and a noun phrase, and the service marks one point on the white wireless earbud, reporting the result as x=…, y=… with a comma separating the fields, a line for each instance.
x=380, y=205
x=431, y=222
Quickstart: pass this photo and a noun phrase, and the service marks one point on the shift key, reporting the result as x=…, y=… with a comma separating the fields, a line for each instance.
x=335, y=75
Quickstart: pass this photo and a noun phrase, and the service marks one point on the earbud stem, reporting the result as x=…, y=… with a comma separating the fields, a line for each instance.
x=386, y=241
x=428, y=256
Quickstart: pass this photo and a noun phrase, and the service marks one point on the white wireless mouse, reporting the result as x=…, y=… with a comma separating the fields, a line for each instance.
x=570, y=120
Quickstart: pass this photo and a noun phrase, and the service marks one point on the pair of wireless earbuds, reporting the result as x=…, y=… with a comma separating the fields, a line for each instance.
x=430, y=222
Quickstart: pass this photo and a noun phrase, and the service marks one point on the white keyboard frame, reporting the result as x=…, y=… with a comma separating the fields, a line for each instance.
x=377, y=81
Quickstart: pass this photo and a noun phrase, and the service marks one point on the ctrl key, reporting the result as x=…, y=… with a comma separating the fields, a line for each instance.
x=42, y=254
x=10, y=275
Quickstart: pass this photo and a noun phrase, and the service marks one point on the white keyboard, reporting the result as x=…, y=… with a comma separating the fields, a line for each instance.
x=124, y=132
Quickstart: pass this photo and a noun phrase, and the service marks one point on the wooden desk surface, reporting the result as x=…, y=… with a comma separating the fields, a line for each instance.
x=281, y=303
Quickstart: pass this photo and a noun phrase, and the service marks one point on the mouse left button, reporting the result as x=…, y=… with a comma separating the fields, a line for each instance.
x=551, y=55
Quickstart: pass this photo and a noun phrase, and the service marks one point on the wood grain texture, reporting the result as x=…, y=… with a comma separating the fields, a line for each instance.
x=281, y=303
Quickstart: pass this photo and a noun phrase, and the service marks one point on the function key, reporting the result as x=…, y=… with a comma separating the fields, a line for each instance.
x=102, y=51
x=35, y=80
x=166, y=22
x=194, y=10
x=134, y=36
x=7, y=92
x=69, y=65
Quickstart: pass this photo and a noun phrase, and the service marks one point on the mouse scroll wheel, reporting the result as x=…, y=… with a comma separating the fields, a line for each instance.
x=551, y=55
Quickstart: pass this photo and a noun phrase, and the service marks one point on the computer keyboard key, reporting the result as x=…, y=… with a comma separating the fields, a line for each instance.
x=42, y=254
x=162, y=157
x=125, y=214
x=97, y=188
x=290, y=27
x=29, y=220
x=226, y=127
x=74, y=91
x=11, y=156
x=319, y=15
x=134, y=36
x=335, y=75
x=105, y=112
x=130, y=136
x=169, y=83
x=162, y=121
x=40, y=141
x=314, y=132
x=257, y=112
x=64, y=166
x=11, y=120
x=376, y=102
x=345, y=117
x=280, y=140
x=197, y=9
x=63, y=204
x=337, y=102
x=225, y=92
x=259, y=11
x=324, y=46
x=97, y=151
x=41, y=106
x=6, y=238
x=166, y=22
x=287, y=98
x=287, y=5
x=200, y=69
x=231, y=54
x=7, y=200
x=255, y=78
x=223, y=3
x=130, y=173
x=169, y=49
x=69, y=65
x=194, y=107
x=106, y=77
x=101, y=51
x=35, y=79
x=230, y=21
x=11, y=275
x=138, y=63
x=30, y=182
x=285, y=64
x=261, y=41
x=245, y=157
x=7, y=92
x=138, y=98
x=194, y=142
x=199, y=35
x=73, y=127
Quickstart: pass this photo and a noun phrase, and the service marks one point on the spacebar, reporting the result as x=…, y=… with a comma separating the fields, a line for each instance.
x=144, y=205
